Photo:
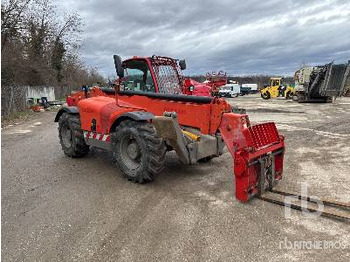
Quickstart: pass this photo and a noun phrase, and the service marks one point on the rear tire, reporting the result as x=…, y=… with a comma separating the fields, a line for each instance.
x=138, y=152
x=266, y=95
x=289, y=95
x=71, y=136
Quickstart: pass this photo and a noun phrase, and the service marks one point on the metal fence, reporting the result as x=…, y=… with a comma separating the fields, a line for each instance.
x=15, y=98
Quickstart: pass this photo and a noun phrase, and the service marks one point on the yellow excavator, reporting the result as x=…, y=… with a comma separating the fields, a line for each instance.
x=276, y=89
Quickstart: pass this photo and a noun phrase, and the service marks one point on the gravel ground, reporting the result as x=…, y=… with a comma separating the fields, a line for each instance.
x=59, y=209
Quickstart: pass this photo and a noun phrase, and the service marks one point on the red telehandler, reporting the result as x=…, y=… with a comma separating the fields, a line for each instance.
x=147, y=114
x=216, y=81
x=194, y=88
x=211, y=86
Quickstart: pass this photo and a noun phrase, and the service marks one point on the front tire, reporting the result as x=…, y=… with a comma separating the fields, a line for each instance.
x=266, y=95
x=138, y=152
x=71, y=136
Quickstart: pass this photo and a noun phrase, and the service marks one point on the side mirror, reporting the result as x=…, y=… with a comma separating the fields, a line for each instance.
x=182, y=64
x=118, y=66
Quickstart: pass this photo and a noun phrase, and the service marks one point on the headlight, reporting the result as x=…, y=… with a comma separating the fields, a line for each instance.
x=191, y=88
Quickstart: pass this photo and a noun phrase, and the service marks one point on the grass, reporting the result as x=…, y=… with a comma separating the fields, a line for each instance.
x=16, y=117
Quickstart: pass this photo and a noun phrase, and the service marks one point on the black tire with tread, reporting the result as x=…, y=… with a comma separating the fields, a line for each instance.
x=289, y=95
x=153, y=150
x=266, y=95
x=78, y=147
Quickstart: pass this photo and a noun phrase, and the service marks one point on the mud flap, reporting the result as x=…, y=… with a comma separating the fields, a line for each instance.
x=257, y=153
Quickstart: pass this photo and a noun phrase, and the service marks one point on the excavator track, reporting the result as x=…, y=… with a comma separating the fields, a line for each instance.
x=332, y=209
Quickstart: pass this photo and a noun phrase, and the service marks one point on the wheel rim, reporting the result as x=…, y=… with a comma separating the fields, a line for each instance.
x=66, y=135
x=131, y=152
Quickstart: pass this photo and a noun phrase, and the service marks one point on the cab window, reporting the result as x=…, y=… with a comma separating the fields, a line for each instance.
x=137, y=77
x=275, y=82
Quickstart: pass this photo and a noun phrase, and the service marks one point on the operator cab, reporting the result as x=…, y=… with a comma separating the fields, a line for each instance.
x=154, y=74
x=153, y=77
x=137, y=77
x=275, y=82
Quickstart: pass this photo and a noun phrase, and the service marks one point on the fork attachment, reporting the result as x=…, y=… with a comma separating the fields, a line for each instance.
x=257, y=153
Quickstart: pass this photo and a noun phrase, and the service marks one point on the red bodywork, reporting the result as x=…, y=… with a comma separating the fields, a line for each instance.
x=247, y=144
x=73, y=99
x=216, y=80
x=104, y=109
x=199, y=89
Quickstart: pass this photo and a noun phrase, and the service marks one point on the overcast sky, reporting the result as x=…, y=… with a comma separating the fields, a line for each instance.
x=239, y=37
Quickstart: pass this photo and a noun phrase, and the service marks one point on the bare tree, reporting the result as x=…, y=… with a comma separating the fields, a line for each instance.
x=40, y=46
x=12, y=14
x=66, y=35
